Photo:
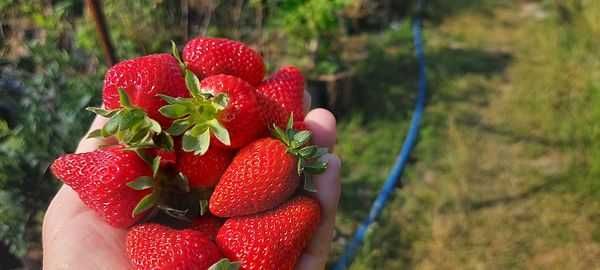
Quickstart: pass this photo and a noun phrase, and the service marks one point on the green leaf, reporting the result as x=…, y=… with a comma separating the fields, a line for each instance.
x=225, y=264
x=145, y=203
x=130, y=118
x=219, y=131
x=192, y=82
x=141, y=183
x=196, y=143
x=174, y=110
x=280, y=134
x=112, y=125
x=175, y=53
x=203, y=207
x=316, y=167
x=155, y=165
x=169, y=99
x=123, y=98
x=179, y=126
x=300, y=138
x=320, y=152
x=154, y=125
x=102, y=112
x=307, y=152
x=95, y=134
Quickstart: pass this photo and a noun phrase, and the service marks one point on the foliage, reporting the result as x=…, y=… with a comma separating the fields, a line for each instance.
x=312, y=28
x=48, y=121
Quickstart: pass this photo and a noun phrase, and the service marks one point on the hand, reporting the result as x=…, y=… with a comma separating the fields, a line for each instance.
x=74, y=237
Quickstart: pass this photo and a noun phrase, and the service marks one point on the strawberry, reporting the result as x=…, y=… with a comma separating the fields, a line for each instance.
x=131, y=100
x=212, y=56
x=272, y=240
x=154, y=246
x=223, y=106
x=282, y=95
x=101, y=177
x=208, y=225
x=143, y=78
x=265, y=173
x=206, y=170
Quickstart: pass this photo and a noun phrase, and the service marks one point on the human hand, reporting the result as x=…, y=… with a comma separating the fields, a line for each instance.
x=74, y=237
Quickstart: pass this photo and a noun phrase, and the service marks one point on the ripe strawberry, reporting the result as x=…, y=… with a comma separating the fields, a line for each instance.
x=206, y=170
x=221, y=105
x=272, y=240
x=212, y=56
x=154, y=246
x=265, y=173
x=101, y=177
x=208, y=225
x=282, y=95
x=143, y=78
x=131, y=100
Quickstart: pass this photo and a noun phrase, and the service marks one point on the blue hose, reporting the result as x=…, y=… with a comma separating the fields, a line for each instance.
x=396, y=172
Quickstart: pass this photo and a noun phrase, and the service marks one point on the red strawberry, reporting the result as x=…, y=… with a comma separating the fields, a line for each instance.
x=282, y=95
x=265, y=173
x=100, y=178
x=143, y=78
x=212, y=56
x=208, y=225
x=206, y=170
x=223, y=106
x=241, y=117
x=272, y=240
x=157, y=247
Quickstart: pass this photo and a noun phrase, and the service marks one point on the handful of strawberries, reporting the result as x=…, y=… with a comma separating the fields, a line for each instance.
x=209, y=165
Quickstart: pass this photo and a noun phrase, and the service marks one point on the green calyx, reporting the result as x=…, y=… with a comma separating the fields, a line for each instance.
x=161, y=182
x=297, y=143
x=225, y=264
x=196, y=116
x=131, y=126
x=145, y=183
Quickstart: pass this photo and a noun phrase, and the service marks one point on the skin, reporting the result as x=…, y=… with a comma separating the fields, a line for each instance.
x=74, y=237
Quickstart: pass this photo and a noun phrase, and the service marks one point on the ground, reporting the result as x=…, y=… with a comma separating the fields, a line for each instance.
x=503, y=175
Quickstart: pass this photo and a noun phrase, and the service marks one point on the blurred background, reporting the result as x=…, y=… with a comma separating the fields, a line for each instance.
x=506, y=174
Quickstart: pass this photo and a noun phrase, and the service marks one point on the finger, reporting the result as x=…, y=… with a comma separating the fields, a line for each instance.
x=322, y=123
x=328, y=194
x=307, y=101
x=90, y=144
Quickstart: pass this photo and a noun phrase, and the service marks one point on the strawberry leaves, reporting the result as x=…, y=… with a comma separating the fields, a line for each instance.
x=308, y=155
x=131, y=126
x=195, y=117
x=144, y=183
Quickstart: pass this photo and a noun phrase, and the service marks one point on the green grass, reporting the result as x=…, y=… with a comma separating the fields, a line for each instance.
x=506, y=172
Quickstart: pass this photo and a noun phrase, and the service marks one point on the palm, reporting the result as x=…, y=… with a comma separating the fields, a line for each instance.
x=76, y=238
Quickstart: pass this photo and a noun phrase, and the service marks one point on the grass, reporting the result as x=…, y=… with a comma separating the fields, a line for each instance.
x=505, y=173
